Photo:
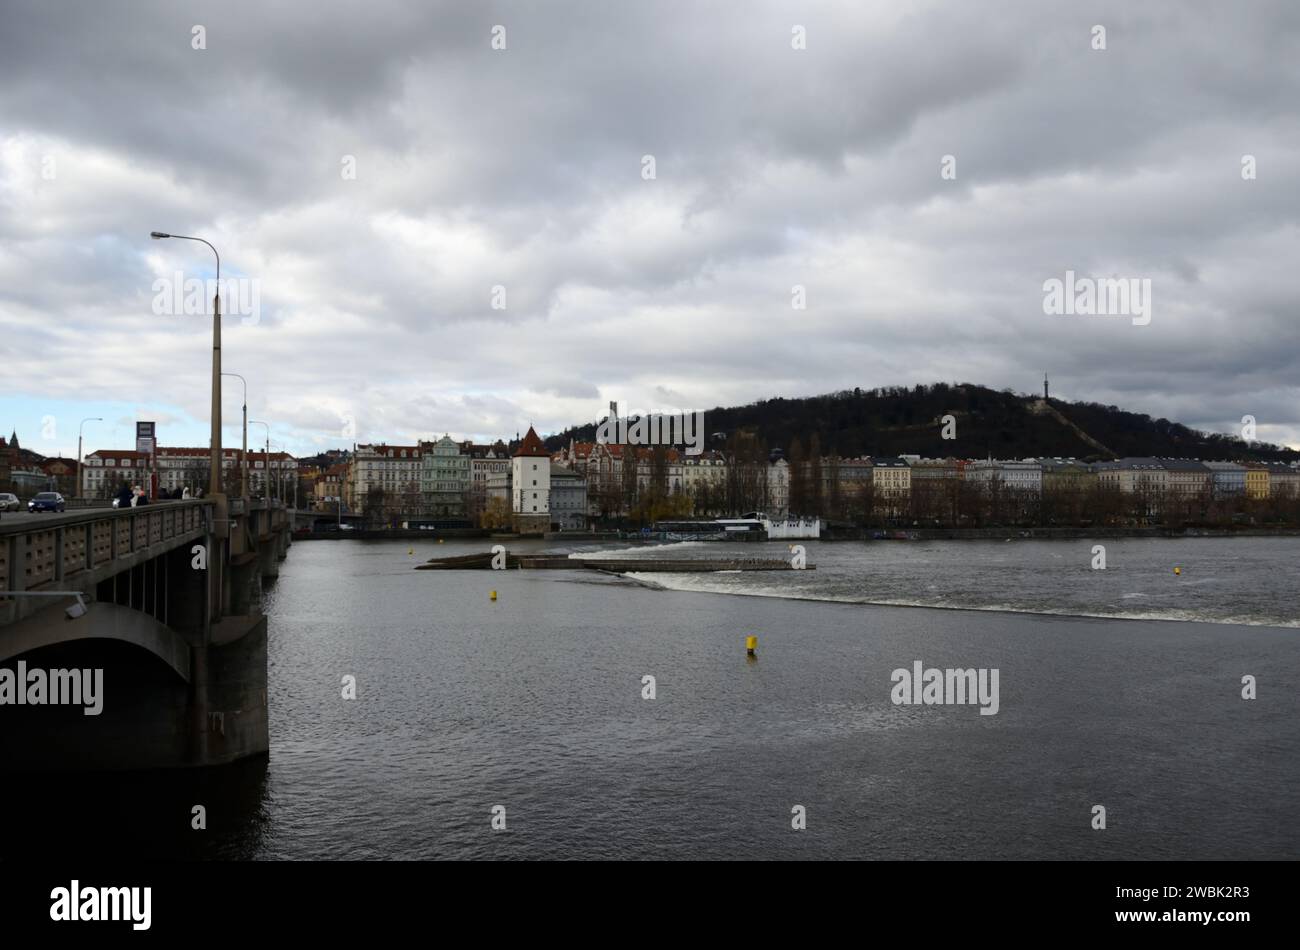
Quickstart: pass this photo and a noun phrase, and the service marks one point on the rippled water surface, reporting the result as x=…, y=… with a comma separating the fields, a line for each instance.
x=534, y=703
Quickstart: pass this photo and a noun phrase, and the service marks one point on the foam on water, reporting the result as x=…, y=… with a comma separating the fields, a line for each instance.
x=639, y=551
x=709, y=584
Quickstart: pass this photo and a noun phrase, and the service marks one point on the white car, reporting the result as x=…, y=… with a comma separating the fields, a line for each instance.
x=9, y=502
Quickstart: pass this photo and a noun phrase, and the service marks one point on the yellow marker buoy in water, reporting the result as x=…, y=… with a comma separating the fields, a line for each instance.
x=410, y=550
x=1178, y=571
x=751, y=645
x=494, y=595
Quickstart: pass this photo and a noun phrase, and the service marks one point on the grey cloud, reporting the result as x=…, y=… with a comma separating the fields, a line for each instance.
x=775, y=168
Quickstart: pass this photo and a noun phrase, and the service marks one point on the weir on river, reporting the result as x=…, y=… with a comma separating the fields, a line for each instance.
x=617, y=565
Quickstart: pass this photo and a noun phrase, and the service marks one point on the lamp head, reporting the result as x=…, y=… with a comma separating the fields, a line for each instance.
x=158, y=235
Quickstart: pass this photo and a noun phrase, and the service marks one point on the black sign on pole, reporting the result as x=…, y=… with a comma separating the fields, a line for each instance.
x=146, y=443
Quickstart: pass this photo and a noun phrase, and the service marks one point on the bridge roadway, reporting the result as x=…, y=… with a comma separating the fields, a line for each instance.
x=172, y=594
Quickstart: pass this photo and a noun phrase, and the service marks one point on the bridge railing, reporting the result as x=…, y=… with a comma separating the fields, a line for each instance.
x=43, y=551
x=81, y=547
x=78, y=503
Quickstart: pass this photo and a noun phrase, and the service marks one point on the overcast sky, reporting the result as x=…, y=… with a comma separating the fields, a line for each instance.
x=524, y=168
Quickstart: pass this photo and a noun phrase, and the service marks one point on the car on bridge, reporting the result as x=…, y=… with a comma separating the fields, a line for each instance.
x=9, y=502
x=47, y=501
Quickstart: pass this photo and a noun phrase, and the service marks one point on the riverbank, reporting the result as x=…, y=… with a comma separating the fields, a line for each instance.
x=389, y=534
x=434, y=534
x=842, y=534
x=1060, y=533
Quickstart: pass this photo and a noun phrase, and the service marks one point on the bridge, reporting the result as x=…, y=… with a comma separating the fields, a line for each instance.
x=165, y=599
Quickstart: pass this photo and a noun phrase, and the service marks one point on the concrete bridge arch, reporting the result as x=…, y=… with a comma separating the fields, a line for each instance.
x=104, y=621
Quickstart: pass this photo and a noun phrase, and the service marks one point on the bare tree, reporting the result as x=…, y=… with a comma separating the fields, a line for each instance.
x=815, y=488
x=798, y=476
x=631, y=481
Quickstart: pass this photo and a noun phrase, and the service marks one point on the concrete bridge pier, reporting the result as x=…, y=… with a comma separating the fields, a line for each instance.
x=173, y=625
x=267, y=559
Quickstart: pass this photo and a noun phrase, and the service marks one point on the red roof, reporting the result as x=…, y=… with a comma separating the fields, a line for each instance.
x=117, y=453
x=532, y=446
x=172, y=451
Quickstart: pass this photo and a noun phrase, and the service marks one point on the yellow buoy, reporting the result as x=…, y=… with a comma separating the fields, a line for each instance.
x=1178, y=570
x=410, y=550
x=494, y=595
x=751, y=645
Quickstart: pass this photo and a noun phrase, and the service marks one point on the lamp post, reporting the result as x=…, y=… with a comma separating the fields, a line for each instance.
x=80, y=489
x=214, y=487
x=279, y=485
x=279, y=472
x=266, y=460
x=282, y=476
x=243, y=475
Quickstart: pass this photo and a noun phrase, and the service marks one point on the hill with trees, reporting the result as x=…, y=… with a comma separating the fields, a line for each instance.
x=901, y=420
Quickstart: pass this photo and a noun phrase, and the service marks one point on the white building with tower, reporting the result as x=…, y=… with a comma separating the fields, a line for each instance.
x=530, y=486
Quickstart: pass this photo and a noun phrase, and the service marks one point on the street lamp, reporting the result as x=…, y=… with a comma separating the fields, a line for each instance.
x=284, y=476
x=266, y=484
x=80, y=489
x=243, y=475
x=279, y=474
x=215, y=474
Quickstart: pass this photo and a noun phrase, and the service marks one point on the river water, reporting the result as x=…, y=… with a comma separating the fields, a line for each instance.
x=1118, y=687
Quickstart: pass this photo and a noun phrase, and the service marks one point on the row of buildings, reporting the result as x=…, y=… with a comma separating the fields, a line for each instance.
x=170, y=469
x=1156, y=476
x=587, y=480
x=523, y=485
x=459, y=483
x=444, y=480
